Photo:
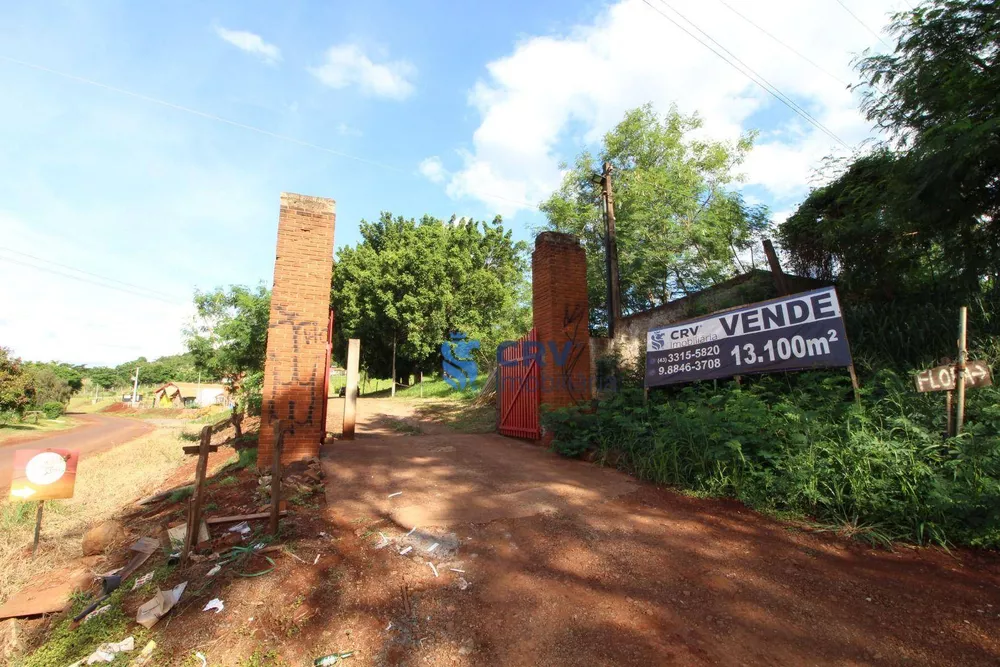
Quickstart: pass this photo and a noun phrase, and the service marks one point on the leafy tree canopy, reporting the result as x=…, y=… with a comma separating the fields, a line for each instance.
x=918, y=213
x=412, y=282
x=680, y=223
x=228, y=337
x=14, y=382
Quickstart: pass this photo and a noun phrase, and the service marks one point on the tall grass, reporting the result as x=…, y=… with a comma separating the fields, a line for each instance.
x=801, y=444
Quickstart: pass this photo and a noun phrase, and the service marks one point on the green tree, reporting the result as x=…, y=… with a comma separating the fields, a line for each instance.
x=47, y=387
x=105, y=377
x=229, y=335
x=15, y=382
x=73, y=375
x=920, y=212
x=408, y=283
x=681, y=226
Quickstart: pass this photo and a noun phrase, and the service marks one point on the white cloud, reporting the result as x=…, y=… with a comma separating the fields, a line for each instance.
x=580, y=84
x=346, y=65
x=345, y=130
x=251, y=43
x=433, y=170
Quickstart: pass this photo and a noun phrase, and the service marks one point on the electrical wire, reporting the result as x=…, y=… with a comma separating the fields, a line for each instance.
x=233, y=123
x=87, y=280
x=790, y=48
x=747, y=71
x=96, y=275
x=862, y=23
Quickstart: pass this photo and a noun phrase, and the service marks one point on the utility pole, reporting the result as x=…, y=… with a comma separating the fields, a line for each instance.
x=610, y=250
x=135, y=386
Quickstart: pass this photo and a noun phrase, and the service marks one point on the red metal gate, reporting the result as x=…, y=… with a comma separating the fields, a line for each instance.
x=518, y=392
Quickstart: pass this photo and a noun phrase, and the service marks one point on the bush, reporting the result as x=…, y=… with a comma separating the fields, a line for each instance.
x=250, y=396
x=880, y=468
x=53, y=409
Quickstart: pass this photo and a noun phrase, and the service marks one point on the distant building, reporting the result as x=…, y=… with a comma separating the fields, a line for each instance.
x=189, y=395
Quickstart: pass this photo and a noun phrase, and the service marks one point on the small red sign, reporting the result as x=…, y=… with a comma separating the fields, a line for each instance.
x=43, y=474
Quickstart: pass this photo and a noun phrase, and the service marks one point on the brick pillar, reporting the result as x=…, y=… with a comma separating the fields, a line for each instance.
x=297, y=333
x=559, y=303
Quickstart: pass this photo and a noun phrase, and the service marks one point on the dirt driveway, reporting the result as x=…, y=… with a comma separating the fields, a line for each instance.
x=546, y=561
x=95, y=433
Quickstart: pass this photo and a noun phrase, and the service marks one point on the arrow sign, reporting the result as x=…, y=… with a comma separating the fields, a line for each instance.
x=942, y=378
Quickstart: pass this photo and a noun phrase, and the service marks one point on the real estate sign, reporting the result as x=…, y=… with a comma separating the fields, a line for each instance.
x=43, y=474
x=795, y=332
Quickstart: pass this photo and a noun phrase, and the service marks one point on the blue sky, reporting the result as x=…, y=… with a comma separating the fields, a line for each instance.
x=453, y=108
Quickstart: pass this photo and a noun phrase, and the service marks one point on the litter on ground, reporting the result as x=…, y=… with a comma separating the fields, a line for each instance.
x=393, y=495
x=106, y=652
x=433, y=569
x=332, y=659
x=216, y=604
x=142, y=581
x=214, y=571
x=433, y=547
x=405, y=551
x=153, y=610
x=97, y=612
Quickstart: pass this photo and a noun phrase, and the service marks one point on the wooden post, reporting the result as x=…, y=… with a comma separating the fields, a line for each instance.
x=963, y=313
x=854, y=384
x=948, y=410
x=38, y=527
x=351, y=391
x=194, y=517
x=611, y=251
x=777, y=275
x=392, y=390
x=421, y=384
x=279, y=429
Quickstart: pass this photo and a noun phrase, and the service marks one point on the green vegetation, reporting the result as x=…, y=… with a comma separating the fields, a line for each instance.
x=681, y=223
x=409, y=283
x=53, y=409
x=880, y=469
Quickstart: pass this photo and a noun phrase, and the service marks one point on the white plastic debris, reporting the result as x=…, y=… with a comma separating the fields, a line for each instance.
x=411, y=531
x=107, y=652
x=389, y=627
x=393, y=495
x=316, y=560
x=243, y=528
x=433, y=569
x=405, y=551
x=216, y=604
x=142, y=581
x=154, y=609
x=455, y=569
x=462, y=584
x=214, y=571
x=433, y=547
x=201, y=656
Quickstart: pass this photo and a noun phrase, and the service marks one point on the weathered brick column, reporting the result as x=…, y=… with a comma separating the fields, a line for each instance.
x=294, y=371
x=559, y=303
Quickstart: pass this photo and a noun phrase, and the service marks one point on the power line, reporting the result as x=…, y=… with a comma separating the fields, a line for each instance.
x=87, y=280
x=798, y=53
x=227, y=121
x=750, y=74
x=862, y=23
x=96, y=275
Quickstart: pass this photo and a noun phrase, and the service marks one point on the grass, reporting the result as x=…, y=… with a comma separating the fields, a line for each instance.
x=9, y=431
x=105, y=482
x=86, y=404
x=460, y=415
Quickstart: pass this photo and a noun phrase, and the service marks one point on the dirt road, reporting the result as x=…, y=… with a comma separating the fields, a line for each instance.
x=565, y=563
x=95, y=433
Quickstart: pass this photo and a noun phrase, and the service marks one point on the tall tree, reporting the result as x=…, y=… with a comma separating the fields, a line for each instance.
x=681, y=224
x=409, y=283
x=920, y=212
x=228, y=337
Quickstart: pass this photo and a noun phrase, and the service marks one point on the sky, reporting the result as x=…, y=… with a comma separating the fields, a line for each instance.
x=144, y=146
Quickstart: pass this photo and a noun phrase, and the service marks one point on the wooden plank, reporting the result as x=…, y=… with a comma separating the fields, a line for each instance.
x=942, y=378
x=196, y=449
x=241, y=517
x=53, y=592
x=276, y=478
x=194, y=517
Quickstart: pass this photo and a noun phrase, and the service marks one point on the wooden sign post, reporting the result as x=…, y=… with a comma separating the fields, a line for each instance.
x=279, y=429
x=956, y=377
x=43, y=475
x=205, y=447
x=351, y=391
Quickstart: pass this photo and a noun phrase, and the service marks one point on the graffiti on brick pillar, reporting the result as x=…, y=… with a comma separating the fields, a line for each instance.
x=573, y=319
x=305, y=333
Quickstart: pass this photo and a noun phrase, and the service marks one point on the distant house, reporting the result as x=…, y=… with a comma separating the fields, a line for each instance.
x=189, y=395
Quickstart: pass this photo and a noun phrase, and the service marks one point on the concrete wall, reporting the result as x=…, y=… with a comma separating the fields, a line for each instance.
x=296, y=340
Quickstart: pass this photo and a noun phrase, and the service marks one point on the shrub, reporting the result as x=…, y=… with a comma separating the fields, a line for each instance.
x=880, y=468
x=53, y=409
x=250, y=396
